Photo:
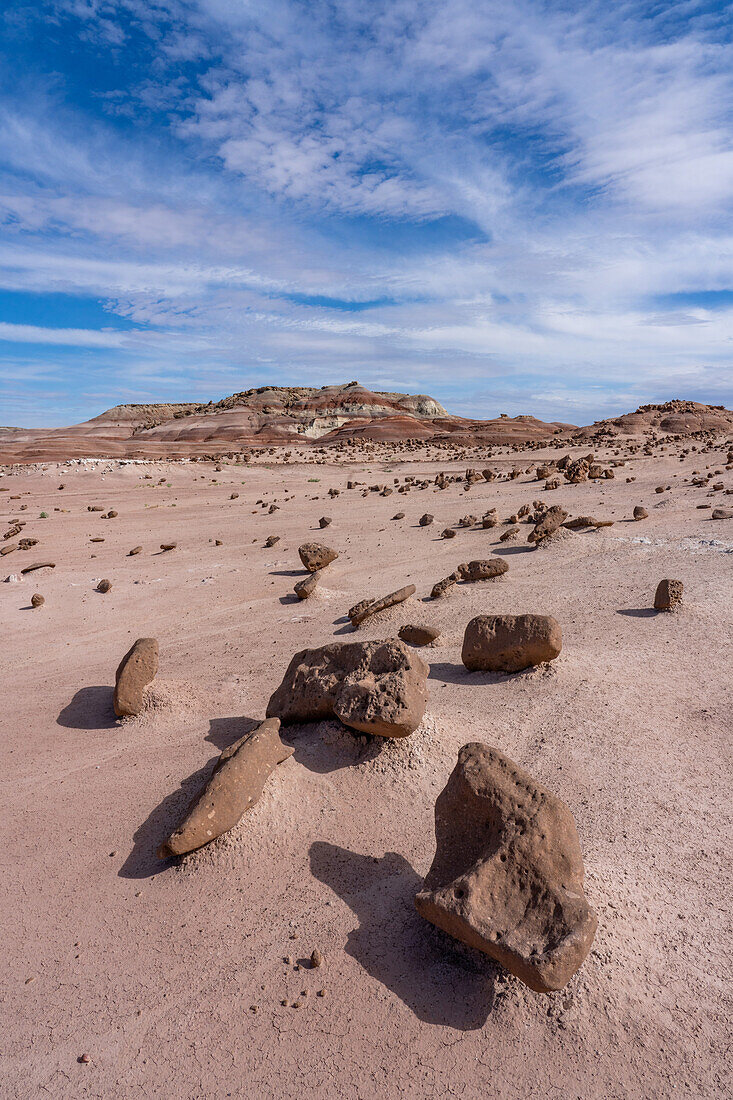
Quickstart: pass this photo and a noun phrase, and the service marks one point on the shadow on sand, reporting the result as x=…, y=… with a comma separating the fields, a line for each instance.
x=440, y=980
x=90, y=709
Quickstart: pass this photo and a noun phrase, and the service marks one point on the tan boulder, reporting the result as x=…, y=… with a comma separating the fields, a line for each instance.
x=510, y=643
x=483, y=569
x=314, y=555
x=418, y=635
x=306, y=587
x=136, y=670
x=373, y=687
x=236, y=784
x=507, y=877
x=551, y=520
x=668, y=595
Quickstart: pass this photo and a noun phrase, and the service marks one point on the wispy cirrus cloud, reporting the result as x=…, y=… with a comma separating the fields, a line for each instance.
x=523, y=192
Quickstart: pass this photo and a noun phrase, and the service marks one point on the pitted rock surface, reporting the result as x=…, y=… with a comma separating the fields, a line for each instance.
x=373, y=687
x=362, y=610
x=510, y=643
x=507, y=877
x=314, y=555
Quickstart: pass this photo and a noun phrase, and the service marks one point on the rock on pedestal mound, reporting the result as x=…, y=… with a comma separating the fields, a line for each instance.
x=314, y=555
x=507, y=877
x=510, y=643
x=373, y=687
x=238, y=781
x=135, y=671
x=668, y=595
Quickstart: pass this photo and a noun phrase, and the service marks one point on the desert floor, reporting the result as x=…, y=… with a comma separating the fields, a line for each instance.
x=170, y=976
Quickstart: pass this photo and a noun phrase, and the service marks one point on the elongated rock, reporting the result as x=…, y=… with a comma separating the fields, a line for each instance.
x=305, y=588
x=39, y=565
x=236, y=784
x=373, y=687
x=553, y=519
x=135, y=671
x=361, y=611
x=509, y=643
x=507, y=877
x=484, y=569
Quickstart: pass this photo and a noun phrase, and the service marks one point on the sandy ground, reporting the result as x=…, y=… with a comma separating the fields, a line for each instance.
x=170, y=976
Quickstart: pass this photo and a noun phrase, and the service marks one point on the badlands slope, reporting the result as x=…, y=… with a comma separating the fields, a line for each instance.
x=169, y=976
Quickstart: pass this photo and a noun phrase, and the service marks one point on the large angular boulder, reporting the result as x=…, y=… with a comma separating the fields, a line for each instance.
x=314, y=555
x=373, y=687
x=507, y=877
x=135, y=671
x=510, y=643
x=237, y=782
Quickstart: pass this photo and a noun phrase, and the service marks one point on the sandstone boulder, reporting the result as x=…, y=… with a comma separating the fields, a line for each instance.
x=237, y=782
x=482, y=570
x=306, y=587
x=510, y=643
x=314, y=555
x=418, y=635
x=668, y=595
x=136, y=670
x=552, y=519
x=507, y=877
x=374, y=687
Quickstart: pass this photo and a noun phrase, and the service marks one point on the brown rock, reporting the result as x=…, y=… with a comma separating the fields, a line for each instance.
x=507, y=877
x=722, y=513
x=374, y=687
x=510, y=533
x=482, y=570
x=104, y=586
x=237, y=782
x=363, y=610
x=467, y=521
x=640, y=513
x=426, y=520
x=135, y=550
x=306, y=587
x=324, y=521
x=418, y=635
x=489, y=521
x=578, y=523
x=316, y=556
x=668, y=595
x=448, y=533
x=271, y=540
x=552, y=519
x=510, y=643
x=37, y=600
x=39, y=565
x=136, y=670
x=441, y=587
x=168, y=545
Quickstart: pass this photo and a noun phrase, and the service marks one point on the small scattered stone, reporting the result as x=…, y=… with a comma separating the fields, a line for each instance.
x=640, y=513
x=168, y=545
x=104, y=585
x=448, y=533
x=426, y=520
x=316, y=959
x=37, y=600
x=325, y=521
x=135, y=550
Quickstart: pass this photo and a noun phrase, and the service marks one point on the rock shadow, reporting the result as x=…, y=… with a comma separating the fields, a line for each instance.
x=439, y=979
x=223, y=732
x=459, y=674
x=288, y=573
x=328, y=746
x=90, y=709
x=502, y=551
x=142, y=861
x=638, y=612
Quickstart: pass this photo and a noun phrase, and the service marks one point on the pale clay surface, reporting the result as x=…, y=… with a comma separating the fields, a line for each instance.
x=152, y=968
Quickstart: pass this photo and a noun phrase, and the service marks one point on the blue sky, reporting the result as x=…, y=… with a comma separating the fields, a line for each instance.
x=515, y=206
